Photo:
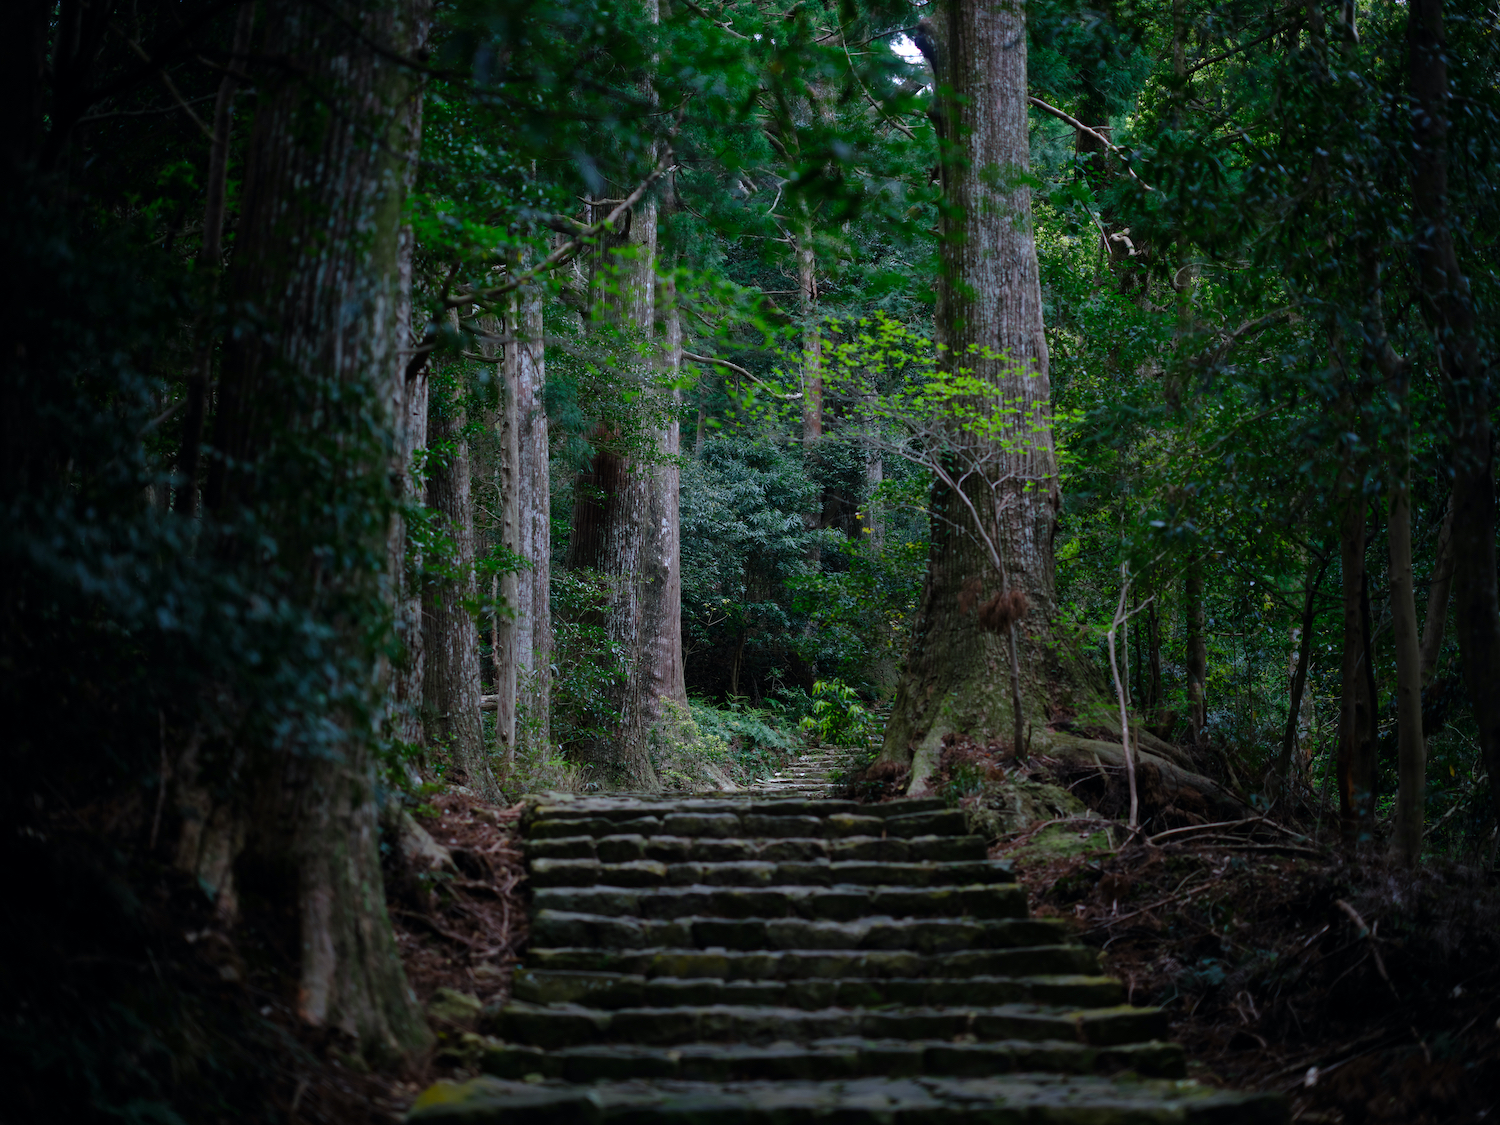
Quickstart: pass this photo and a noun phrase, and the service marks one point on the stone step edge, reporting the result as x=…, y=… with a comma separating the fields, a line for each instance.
x=849, y=903
x=622, y=990
x=608, y=808
x=552, y=865
x=765, y=873
x=805, y=960
x=919, y=935
x=563, y=1025
x=1058, y=1100
x=834, y=1058
x=751, y=826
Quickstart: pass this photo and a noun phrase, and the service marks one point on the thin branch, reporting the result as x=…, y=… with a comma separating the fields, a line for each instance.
x=166, y=80
x=722, y=25
x=1098, y=136
x=1196, y=67
x=567, y=250
x=869, y=97
x=738, y=370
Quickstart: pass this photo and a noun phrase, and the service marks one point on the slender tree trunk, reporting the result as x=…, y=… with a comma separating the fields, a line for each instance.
x=1411, y=798
x=874, y=477
x=509, y=623
x=1438, y=589
x=317, y=256
x=1356, y=733
x=200, y=375
x=812, y=344
x=409, y=668
x=1315, y=572
x=988, y=321
x=534, y=512
x=1153, y=622
x=1449, y=307
x=450, y=685
x=1197, y=648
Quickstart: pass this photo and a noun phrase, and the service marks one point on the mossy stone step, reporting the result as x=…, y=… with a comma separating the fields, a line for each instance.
x=633, y=848
x=628, y=990
x=922, y=935
x=788, y=872
x=1026, y=1099
x=570, y=1025
x=829, y=1059
x=841, y=903
x=750, y=824
x=818, y=964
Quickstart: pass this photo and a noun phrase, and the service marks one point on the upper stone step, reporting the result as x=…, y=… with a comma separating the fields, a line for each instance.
x=631, y=990
x=839, y=903
x=822, y=964
x=572, y=1025
x=809, y=872
x=554, y=928
x=1006, y=1100
x=829, y=1058
x=632, y=848
x=744, y=821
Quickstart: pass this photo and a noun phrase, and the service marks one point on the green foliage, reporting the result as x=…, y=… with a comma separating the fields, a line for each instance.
x=838, y=717
x=756, y=740
x=588, y=666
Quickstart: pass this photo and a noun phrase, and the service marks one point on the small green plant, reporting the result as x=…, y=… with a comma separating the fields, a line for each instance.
x=758, y=744
x=838, y=718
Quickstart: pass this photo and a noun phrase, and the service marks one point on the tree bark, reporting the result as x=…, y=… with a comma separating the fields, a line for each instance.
x=450, y=683
x=988, y=322
x=1197, y=648
x=1438, y=590
x=1411, y=796
x=409, y=668
x=1356, y=733
x=626, y=521
x=508, y=622
x=317, y=255
x=210, y=262
x=1315, y=572
x=534, y=515
x=1449, y=308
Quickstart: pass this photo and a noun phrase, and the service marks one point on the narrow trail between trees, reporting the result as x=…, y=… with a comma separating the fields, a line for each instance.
x=756, y=959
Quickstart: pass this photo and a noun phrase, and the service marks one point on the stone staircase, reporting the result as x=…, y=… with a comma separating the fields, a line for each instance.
x=809, y=775
x=755, y=961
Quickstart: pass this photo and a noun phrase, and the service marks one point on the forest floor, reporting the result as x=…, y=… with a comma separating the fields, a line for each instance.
x=1365, y=992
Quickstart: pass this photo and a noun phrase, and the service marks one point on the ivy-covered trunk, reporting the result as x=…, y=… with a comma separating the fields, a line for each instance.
x=989, y=325
x=626, y=520
x=305, y=412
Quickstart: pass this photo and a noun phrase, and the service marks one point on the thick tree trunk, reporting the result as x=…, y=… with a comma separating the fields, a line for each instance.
x=1449, y=308
x=1356, y=733
x=450, y=683
x=1438, y=590
x=534, y=516
x=626, y=523
x=210, y=262
x=316, y=256
x=988, y=322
